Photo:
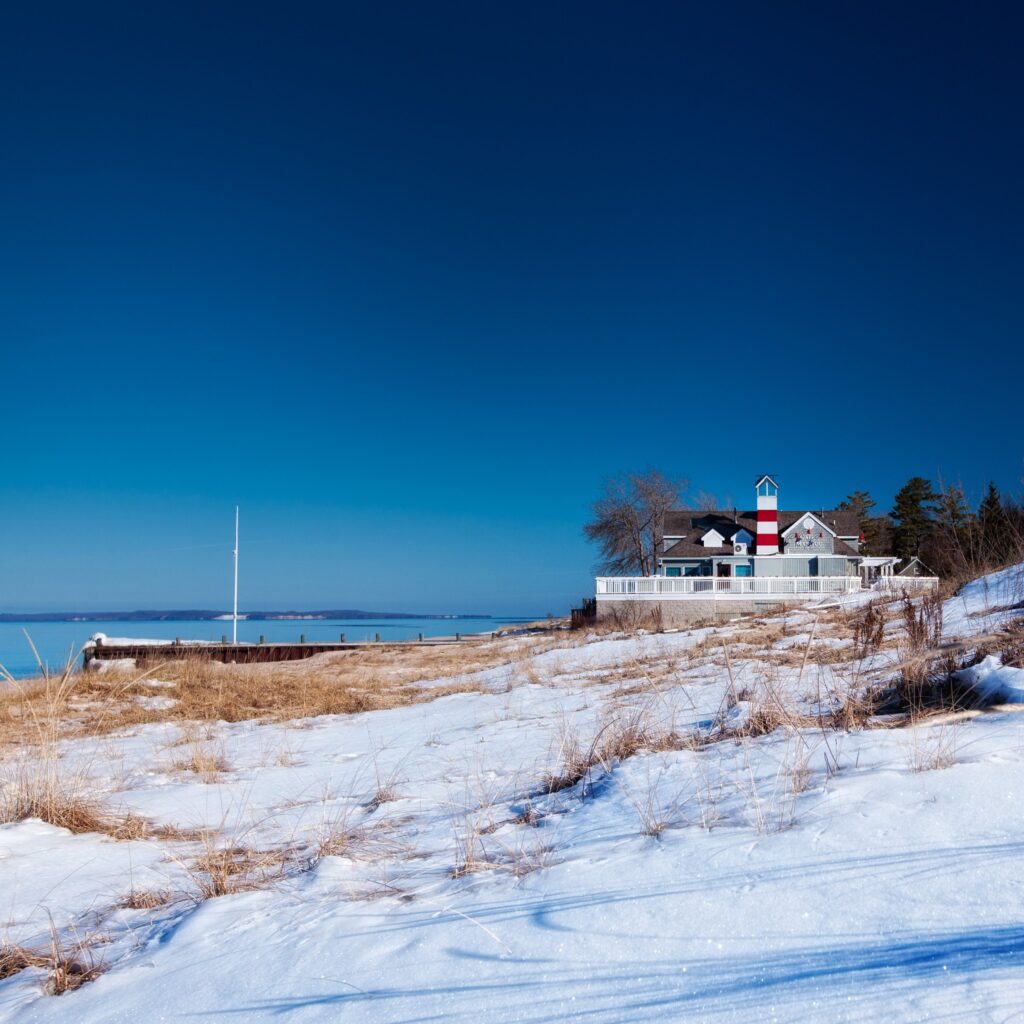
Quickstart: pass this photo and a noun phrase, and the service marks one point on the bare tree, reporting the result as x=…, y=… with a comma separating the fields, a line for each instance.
x=627, y=521
x=707, y=501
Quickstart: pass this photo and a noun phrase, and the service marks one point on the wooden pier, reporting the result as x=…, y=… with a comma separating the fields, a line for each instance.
x=251, y=654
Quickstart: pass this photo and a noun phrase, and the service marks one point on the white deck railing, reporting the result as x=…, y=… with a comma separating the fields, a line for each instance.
x=909, y=584
x=710, y=587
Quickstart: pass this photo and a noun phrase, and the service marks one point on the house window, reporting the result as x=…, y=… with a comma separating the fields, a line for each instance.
x=692, y=570
x=743, y=570
x=673, y=570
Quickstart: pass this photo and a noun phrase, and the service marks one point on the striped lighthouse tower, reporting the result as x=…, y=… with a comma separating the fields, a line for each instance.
x=767, y=516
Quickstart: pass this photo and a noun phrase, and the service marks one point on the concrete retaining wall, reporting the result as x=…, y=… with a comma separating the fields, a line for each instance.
x=678, y=614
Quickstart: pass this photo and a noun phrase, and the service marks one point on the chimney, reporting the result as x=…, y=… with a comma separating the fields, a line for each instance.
x=767, y=516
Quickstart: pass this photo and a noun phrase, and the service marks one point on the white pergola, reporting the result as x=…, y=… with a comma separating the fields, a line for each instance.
x=878, y=566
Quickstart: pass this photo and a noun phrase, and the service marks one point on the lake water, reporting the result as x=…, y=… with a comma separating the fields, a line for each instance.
x=55, y=640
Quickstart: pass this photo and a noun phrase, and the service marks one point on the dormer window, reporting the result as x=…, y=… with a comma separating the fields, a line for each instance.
x=712, y=539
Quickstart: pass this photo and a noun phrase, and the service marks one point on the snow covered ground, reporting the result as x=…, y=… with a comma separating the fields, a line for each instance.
x=412, y=865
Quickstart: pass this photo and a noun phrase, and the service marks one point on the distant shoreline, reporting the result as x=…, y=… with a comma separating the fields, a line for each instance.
x=207, y=615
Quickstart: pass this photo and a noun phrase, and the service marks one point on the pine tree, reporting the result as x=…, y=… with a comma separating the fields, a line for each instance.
x=953, y=511
x=951, y=548
x=878, y=538
x=874, y=529
x=994, y=524
x=913, y=512
x=859, y=502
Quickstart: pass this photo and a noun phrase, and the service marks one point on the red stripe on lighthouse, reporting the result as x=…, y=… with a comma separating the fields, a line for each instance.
x=767, y=518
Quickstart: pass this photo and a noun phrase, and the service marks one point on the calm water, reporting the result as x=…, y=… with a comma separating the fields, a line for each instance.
x=55, y=640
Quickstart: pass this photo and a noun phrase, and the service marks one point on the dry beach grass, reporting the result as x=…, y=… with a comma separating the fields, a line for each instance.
x=199, y=690
x=37, y=715
x=66, y=964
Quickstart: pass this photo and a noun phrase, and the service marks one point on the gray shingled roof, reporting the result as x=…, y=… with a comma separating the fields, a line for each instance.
x=692, y=524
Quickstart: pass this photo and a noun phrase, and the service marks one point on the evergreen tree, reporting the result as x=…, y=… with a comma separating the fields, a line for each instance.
x=875, y=530
x=953, y=512
x=913, y=511
x=994, y=525
x=878, y=538
x=859, y=502
x=951, y=549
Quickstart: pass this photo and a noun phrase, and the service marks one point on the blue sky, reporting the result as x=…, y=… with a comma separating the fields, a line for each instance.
x=407, y=281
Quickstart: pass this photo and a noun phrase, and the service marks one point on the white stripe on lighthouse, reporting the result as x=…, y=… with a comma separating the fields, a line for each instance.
x=767, y=520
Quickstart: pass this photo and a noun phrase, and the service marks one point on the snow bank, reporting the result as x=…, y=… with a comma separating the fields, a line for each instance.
x=113, y=665
x=985, y=601
x=800, y=876
x=102, y=640
x=993, y=680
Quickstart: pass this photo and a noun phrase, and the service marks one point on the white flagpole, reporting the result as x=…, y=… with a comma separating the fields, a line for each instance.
x=234, y=616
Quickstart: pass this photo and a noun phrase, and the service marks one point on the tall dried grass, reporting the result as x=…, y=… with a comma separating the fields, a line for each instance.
x=37, y=784
x=932, y=748
x=92, y=703
x=205, y=759
x=623, y=733
x=68, y=963
x=223, y=869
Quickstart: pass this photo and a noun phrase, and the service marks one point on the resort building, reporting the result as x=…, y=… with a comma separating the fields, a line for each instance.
x=716, y=562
